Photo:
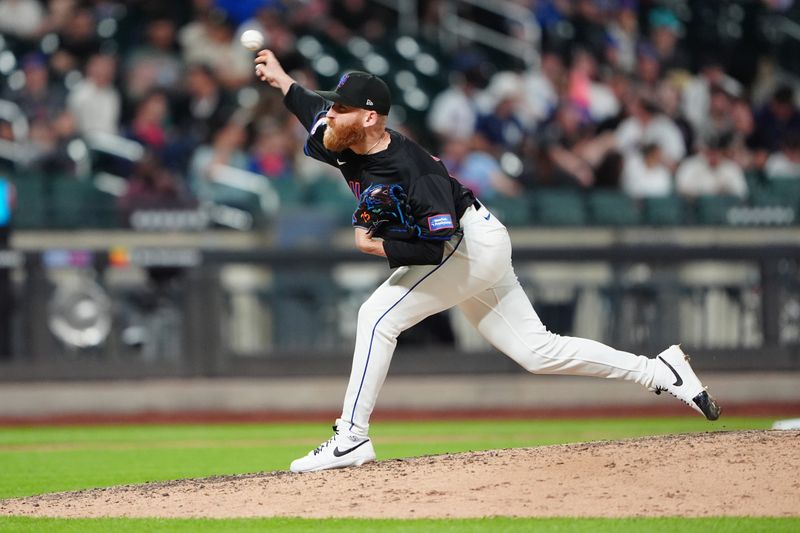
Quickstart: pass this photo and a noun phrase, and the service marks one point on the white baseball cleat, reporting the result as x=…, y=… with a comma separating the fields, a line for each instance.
x=675, y=375
x=342, y=450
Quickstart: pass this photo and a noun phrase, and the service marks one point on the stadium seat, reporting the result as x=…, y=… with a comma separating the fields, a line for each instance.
x=764, y=196
x=558, y=207
x=30, y=208
x=104, y=213
x=246, y=201
x=290, y=191
x=787, y=189
x=334, y=196
x=79, y=204
x=612, y=208
x=754, y=179
x=514, y=211
x=713, y=210
x=665, y=211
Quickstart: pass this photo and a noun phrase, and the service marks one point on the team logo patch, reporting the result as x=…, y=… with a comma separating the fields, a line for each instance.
x=439, y=222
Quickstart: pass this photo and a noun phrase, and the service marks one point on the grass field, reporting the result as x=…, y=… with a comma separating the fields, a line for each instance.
x=37, y=460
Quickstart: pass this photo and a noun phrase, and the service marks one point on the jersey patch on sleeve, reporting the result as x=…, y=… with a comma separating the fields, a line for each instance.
x=440, y=222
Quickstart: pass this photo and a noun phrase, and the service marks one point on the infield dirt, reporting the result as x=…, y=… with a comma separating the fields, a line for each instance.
x=742, y=473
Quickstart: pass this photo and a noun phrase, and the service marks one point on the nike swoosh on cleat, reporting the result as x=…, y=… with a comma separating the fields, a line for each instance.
x=487, y=217
x=340, y=163
x=337, y=453
x=678, y=380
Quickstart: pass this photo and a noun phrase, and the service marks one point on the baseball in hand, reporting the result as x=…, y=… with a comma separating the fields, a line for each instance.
x=252, y=40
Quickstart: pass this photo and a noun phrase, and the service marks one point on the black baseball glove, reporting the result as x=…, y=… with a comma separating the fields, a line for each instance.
x=383, y=210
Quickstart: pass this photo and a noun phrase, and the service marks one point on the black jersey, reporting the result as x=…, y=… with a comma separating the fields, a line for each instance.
x=436, y=199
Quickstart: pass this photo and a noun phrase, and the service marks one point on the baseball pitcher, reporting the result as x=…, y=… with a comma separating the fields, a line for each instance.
x=445, y=249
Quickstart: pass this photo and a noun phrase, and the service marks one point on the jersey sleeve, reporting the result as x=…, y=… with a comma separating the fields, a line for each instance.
x=414, y=252
x=305, y=105
x=310, y=110
x=432, y=202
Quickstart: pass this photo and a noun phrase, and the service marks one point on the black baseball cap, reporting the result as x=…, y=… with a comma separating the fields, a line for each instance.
x=362, y=90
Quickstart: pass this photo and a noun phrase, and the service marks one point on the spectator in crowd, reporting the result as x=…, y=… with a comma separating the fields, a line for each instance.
x=21, y=18
x=621, y=87
x=150, y=122
x=697, y=92
x=746, y=148
x=718, y=119
x=668, y=99
x=665, y=29
x=58, y=15
x=769, y=76
x=79, y=40
x=541, y=88
x=207, y=106
x=785, y=164
x=500, y=127
x=153, y=186
x=588, y=25
x=608, y=172
x=477, y=170
x=711, y=172
x=238, y=11
x=49, y=146
x=358, y=17
x=210, y=41
x=647, y=124
x=778, y=119
x=622, y=37
x=7, y=131
x=454, y=112
x=596, y=99
x=95, y=101
x=648, y=68
x=38, y=99
x=271, y=152
x=568, y=149
x=645, y=175
x=154, y=64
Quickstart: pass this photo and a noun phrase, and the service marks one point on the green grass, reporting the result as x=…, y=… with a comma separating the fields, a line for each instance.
x=493, y=525
x=50, y=459
x=35, y=460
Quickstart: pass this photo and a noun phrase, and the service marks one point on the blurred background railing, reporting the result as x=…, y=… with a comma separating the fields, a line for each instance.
x=157, y=312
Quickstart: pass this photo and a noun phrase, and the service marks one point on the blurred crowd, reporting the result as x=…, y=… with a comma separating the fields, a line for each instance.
x=622, y=97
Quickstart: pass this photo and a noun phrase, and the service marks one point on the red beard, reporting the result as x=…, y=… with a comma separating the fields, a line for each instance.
x=339, y=138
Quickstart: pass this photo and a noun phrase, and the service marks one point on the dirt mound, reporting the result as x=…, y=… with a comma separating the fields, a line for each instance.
x=743, y=473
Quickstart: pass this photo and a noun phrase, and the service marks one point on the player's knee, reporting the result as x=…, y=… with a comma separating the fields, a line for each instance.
x=377, y=320
x=533, y=363
x=368, y=313
x=542, y=355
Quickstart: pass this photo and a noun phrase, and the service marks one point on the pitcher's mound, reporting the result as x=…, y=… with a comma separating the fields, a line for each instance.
x=743, y=473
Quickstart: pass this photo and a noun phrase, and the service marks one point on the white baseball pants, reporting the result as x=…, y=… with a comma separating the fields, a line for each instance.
x=475, y=274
